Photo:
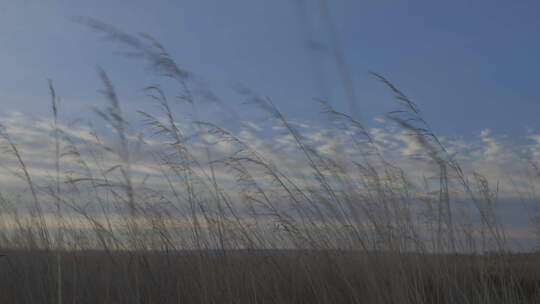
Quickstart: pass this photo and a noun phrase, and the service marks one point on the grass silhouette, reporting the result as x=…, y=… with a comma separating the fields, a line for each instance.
x=340, y=231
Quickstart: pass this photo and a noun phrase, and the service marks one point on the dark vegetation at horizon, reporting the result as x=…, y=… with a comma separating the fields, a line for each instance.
x=228, y=276
x=356, y=231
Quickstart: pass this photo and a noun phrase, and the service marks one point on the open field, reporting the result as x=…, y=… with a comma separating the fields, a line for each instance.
x=268, y=277
x=159, y=205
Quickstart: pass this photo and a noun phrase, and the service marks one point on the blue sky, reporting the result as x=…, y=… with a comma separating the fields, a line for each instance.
x=470, y=65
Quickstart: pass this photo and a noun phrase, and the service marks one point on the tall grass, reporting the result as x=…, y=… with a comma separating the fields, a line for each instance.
x=204, y=226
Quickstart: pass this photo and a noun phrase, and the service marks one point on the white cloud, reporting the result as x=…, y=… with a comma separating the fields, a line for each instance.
x=488, y=154
x=492, y=147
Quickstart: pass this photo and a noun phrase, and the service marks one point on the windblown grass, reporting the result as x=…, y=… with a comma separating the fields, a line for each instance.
x=339, y=230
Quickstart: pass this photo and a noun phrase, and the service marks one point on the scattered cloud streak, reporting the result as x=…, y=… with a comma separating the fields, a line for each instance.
x=87, y=156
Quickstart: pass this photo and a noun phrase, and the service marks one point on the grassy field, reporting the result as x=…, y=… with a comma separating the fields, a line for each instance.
x=164, y=210
x=268, y=277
